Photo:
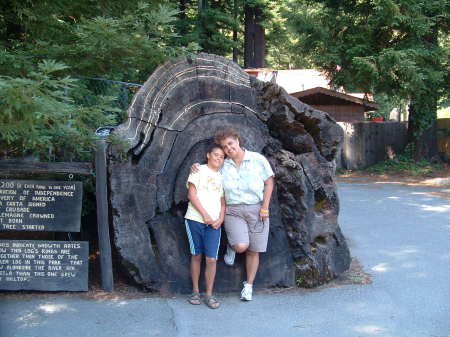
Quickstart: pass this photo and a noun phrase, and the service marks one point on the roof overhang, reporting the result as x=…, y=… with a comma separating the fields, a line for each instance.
x=318, y=91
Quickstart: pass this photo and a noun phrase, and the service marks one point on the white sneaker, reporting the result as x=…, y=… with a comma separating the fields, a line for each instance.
x=246, y=293
x=229, y=256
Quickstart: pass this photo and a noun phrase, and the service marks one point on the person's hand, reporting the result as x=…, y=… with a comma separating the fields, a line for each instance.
x=216, y=224
x=263, y=213
x=195, y=168
x=207, y=219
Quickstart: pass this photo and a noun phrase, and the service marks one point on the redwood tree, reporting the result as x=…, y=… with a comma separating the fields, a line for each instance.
x=394, y=47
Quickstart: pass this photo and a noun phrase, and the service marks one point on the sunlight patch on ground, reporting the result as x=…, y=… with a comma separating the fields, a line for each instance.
x=369, y=329
x=119, y=303
x=54, y=308
x=29, y=320
x=419, y=193
x=444, y=208
x=381, y=267
x=402, y=253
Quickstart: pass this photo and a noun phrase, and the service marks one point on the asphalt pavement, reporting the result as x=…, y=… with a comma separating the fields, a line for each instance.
x=399, y=234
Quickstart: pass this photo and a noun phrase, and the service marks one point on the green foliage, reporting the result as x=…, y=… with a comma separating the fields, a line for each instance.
x=373, y=114
x=39, y=117
x=215, y=27
x=282, y=48
x=127, y=46
x=394, y=47
x=119, y=147
x=388, y=103
x=46, y=45
x=404, y=162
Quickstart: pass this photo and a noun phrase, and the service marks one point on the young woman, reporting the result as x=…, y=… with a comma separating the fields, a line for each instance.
x=204, y=217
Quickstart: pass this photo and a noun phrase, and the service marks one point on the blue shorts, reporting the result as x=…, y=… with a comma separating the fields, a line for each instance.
x=203, y=239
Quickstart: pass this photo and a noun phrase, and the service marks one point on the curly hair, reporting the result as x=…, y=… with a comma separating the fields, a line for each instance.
x=225, y=133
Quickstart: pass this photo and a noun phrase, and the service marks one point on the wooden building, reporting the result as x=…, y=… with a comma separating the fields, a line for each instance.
x=342, y=107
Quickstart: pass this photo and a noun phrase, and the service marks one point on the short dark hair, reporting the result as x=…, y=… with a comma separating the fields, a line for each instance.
x=212, y=147
x=225, y=133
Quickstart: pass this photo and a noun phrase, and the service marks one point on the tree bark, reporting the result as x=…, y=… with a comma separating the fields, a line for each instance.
x=148, y=194
x=254, y=38
x=235, y=31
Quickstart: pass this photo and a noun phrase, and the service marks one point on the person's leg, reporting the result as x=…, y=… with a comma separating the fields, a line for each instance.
x=210, y=274
x=237, y=233
x=194, y=232
x=240, y=247
x=195, y=271
x=251, y=265
x=258, y=234
x=211, y=244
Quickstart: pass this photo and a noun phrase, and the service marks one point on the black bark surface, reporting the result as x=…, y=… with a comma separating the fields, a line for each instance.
x=171, y=121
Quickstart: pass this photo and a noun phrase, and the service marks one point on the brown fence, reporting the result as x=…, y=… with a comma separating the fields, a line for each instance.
x=443, y=138
x=366, y=143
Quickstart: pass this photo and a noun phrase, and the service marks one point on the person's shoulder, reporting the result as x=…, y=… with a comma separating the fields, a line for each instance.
x=209, y=171
x=256, y=155
x=203, y=169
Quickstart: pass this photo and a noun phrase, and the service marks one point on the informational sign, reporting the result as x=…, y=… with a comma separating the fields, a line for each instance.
x=28, y=205
x=44, y=265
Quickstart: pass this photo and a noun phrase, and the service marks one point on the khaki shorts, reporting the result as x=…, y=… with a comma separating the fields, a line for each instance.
x=243, y=225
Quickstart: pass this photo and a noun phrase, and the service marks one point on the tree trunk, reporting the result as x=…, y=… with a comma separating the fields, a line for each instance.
x=182, y=8
x=13, y=30
x=235, y=31
x=423, y=109
x=148, y=188
x=260, y=40
x=422, y=126
x=248, y=37
x=254, y=38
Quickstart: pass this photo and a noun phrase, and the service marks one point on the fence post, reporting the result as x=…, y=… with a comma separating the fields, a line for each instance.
x=103, y=217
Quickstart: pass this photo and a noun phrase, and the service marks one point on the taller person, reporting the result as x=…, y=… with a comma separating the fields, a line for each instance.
x=248, y=184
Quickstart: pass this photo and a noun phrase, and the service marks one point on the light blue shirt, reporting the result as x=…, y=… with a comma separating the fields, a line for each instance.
x=246, y=184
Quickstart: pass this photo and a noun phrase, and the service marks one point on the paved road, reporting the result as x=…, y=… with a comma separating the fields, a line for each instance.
x=401, y=235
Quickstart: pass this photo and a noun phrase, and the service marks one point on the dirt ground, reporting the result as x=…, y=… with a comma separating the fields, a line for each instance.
x=439, y=178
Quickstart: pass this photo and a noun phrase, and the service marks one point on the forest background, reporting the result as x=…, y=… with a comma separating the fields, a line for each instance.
x=65, y=65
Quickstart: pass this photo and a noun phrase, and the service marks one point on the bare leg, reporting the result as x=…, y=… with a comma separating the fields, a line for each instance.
x=251, y=264
x=210, y=274
x=195, y=271
x=240, y=247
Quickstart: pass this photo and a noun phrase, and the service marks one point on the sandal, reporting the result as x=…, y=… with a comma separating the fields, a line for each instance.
x=212, y=302
x=195, y=299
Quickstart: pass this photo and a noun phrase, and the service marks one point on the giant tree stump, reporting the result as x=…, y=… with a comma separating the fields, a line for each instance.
x=172, y=119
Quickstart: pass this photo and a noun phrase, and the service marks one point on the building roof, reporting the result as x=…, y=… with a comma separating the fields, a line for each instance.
x=296, y=80
x=323, y=96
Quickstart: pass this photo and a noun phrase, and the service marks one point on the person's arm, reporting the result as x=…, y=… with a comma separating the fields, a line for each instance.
x=195, y=168
x=193, y=198
x=219, y=221
x=267, y=195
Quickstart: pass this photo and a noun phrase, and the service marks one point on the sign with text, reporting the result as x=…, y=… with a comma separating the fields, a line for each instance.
x=34, y=205
x=44, y=265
